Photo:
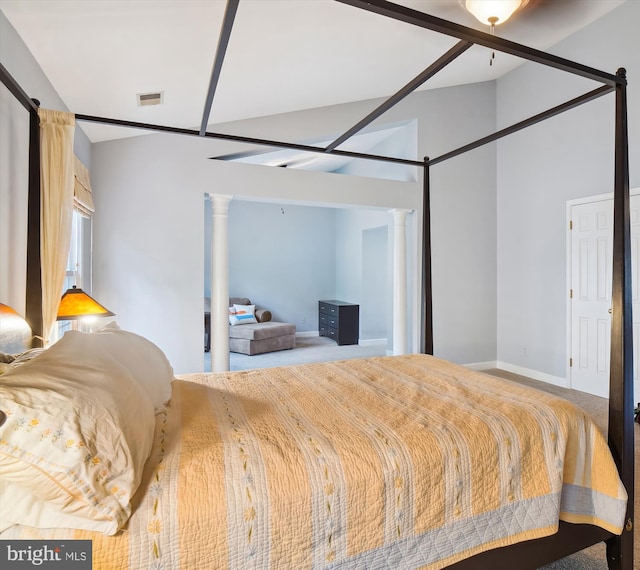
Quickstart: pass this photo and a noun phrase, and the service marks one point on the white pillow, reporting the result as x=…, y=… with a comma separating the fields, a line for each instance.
x=26, y=356
x=146, y=362
x=78, y=431
x=242, y=315
x=109, y=327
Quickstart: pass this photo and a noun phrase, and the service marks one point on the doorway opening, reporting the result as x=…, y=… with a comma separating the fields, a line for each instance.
x=287, y=257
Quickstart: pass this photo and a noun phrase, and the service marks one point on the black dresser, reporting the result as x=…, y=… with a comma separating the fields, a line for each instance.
x=339, y=320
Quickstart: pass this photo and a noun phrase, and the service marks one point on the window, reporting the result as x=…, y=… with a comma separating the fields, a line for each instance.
x=79, y=260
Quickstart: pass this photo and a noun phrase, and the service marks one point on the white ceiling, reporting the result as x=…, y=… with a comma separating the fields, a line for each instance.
x=283, y=55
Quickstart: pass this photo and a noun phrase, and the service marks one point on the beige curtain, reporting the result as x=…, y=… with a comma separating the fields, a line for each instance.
x=82, y=197
x=57, y=192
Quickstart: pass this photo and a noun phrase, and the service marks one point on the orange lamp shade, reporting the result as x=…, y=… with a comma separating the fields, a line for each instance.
x=75, y=304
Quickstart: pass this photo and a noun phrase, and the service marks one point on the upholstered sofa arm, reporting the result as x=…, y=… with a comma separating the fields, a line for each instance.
x=263, y=315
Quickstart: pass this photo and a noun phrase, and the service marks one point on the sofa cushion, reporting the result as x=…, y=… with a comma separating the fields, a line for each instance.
x=251, y=347
x=242, y=315
x=262, y=315
x=261, y=331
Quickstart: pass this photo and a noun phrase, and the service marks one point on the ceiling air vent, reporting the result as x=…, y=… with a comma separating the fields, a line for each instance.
x=145, y=99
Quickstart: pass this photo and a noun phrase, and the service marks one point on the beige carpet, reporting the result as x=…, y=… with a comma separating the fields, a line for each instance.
x=593, y=558
x=308, y=349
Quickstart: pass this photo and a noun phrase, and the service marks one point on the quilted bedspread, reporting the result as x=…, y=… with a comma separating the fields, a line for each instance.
x=393, y=462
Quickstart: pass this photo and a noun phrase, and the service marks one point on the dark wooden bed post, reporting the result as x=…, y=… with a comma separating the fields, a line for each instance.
x=426, y=332
x=620, y=548
x=33, y=306
x=33, y=302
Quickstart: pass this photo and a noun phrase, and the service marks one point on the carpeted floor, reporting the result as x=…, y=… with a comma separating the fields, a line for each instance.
x=308, y=349
x=319, y=349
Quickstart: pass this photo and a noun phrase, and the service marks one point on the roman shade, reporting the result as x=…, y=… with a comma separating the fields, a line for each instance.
x=82, y=197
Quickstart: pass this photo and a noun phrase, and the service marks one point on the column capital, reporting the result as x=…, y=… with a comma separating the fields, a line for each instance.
x=400, y=215
x=220, y=202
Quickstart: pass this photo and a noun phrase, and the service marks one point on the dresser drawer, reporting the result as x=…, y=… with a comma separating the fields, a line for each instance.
x=339, y=321
x=327, y=308
x=328, y=320
x=332, y=333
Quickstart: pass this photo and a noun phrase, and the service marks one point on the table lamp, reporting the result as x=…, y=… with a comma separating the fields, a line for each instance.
x=76, y=304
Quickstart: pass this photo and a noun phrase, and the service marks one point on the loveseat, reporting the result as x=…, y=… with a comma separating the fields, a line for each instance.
x=263, y=335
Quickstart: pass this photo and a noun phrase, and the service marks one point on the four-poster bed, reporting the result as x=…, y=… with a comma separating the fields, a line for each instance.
x=570, y=537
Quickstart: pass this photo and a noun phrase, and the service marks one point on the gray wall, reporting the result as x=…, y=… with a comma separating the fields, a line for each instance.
x=374, y=308
x=403, y=144
x=321, y=253
x=21, y=64
x=364, y=246
x=149, y=224
x=149, y=229
x=282, y=257
x=540, y=169
x=287, y=257
x=14, y=179
x=149, y=237
x=14, y=148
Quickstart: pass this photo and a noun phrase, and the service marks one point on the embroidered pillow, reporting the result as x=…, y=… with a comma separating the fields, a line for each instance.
x=78, y=431
x=243, y=314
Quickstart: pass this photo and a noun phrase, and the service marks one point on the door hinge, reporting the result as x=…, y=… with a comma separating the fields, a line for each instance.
x=570, y=362
x=570, y=224
x=570, y=293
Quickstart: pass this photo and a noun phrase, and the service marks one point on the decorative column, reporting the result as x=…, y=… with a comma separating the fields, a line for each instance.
x=220, y=283
x=400, y=281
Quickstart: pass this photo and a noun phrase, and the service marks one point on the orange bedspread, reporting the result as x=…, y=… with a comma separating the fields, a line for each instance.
x=393, y=462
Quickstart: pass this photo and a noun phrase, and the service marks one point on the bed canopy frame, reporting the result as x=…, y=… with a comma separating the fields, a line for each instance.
x=570, y=538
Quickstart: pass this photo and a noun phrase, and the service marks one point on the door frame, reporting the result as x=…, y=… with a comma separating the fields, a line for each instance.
x=570, y=204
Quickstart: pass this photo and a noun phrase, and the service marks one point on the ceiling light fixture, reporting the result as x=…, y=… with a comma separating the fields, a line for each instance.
x=493, y=12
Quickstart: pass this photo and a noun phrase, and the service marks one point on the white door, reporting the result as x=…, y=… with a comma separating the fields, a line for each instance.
x=590, y=293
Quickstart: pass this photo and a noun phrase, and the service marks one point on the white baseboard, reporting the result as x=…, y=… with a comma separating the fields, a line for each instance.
x=306, y=333
x=542, y=376
x=372, y=342
x=521, y=370
x=482, y=365
x=361, y=342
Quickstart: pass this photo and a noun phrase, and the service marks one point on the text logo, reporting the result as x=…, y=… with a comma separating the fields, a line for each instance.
x=46, y=554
